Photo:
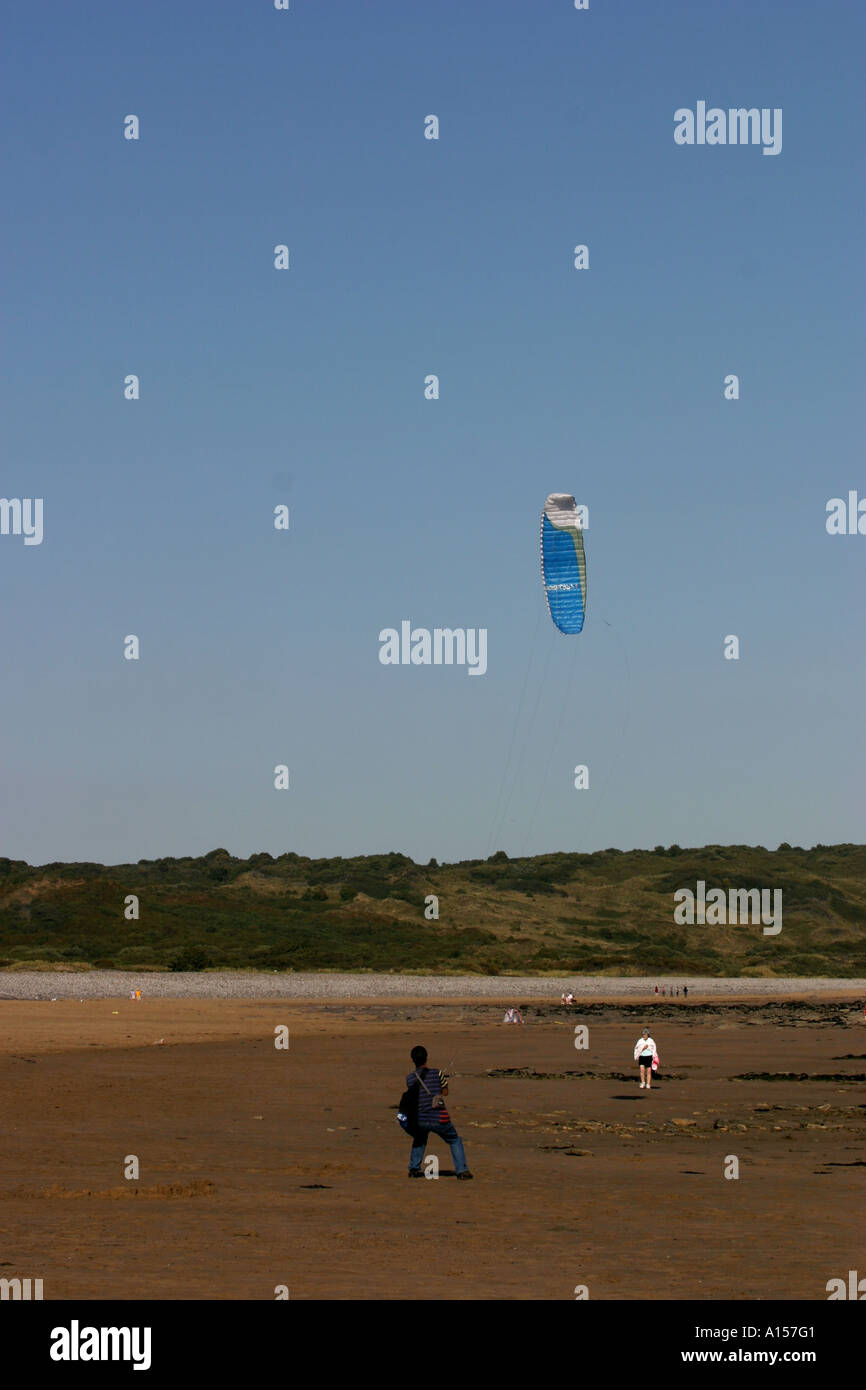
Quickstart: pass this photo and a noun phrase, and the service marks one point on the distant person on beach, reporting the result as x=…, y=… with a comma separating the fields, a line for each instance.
x=644, y=1051
x=567, y=999
x=685, y=991
x=433, y=1118
x=512, y=1016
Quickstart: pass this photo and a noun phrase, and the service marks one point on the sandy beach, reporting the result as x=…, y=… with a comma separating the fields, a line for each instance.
x=261, y=1167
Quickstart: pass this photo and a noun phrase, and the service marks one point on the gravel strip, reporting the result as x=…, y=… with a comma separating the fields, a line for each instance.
x=117, y=984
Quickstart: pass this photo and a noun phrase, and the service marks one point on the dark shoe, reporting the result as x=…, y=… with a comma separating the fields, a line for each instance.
x=463, y=1177
x=415, y=1173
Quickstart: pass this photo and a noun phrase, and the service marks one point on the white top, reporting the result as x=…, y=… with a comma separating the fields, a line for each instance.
x=561, y=510
x=644, y=1046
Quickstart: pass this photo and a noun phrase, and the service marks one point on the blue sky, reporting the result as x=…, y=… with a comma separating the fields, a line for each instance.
x=306, y=387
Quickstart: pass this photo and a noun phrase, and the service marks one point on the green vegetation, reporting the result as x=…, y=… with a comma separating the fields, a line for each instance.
x=609, y=912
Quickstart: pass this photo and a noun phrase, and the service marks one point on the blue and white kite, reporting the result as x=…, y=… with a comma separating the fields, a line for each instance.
x=563, y=563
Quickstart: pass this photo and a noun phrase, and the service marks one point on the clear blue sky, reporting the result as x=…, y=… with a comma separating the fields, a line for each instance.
x=409, y=257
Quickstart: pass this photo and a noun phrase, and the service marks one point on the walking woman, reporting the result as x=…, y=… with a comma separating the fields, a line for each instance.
x=644, y=1051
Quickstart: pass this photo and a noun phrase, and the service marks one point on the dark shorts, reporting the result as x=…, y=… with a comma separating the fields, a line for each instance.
x=645, y=1061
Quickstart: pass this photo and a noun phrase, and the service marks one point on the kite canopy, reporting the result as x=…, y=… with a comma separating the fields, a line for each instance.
x=563, y=563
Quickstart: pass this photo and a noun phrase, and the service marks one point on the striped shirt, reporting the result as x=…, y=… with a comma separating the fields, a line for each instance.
x=435, y=1081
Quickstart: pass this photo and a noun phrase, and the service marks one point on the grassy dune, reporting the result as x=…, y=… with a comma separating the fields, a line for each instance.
x=604, y=913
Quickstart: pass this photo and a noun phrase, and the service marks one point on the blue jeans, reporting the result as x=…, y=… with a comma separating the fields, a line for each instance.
x=446, y=1132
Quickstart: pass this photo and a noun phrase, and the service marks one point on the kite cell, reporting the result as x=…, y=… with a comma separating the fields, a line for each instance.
x=563, y=563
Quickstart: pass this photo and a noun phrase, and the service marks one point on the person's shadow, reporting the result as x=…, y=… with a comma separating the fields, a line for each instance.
x=631, y=1095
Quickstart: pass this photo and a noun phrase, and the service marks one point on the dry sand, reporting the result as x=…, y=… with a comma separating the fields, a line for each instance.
x=262, y=1167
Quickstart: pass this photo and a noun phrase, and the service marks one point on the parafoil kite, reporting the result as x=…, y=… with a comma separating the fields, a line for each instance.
x=563, y=563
